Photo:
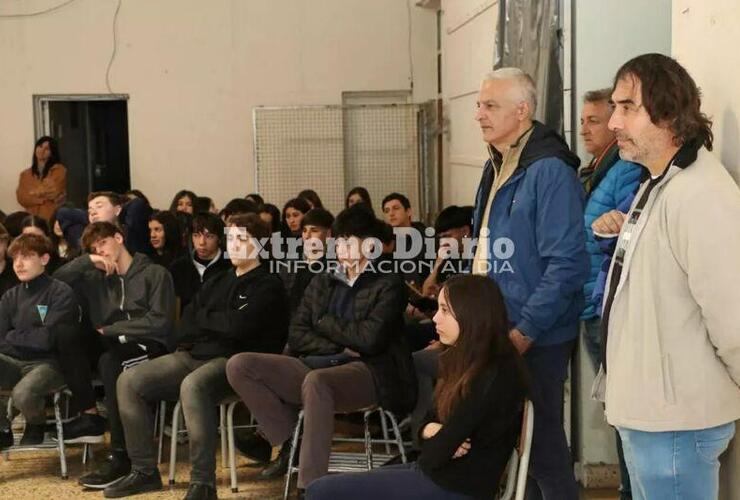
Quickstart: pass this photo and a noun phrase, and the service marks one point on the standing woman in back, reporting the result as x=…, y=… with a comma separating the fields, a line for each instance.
x=42, y=188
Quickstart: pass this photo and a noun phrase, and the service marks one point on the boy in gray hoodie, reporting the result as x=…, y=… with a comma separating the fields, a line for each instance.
x=130, y=303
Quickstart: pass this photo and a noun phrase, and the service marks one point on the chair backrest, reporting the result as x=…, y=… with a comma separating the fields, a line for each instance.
x=518, y=466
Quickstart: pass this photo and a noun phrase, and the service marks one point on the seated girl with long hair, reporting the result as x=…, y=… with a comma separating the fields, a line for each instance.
x=467, y=439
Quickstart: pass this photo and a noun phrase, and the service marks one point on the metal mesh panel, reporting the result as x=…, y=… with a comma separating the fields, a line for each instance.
x=381, y=151
x=299, y=148
x=332, y=149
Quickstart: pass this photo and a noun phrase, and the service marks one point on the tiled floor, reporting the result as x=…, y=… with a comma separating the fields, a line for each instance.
x=35, y=475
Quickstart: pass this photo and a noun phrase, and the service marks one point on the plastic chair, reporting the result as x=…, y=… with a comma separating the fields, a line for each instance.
x=226, y=430
x=347, y=462
x=47, y=444
x=518, y=467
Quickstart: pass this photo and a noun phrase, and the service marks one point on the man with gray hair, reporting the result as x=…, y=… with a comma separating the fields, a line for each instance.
x=529, y=215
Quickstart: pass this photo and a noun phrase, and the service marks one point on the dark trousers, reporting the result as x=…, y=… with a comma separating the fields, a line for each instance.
x=395, y=482
x=550, y=467
x=199, y=384
x=117, y=358
x=274, y=387
x=76, y=347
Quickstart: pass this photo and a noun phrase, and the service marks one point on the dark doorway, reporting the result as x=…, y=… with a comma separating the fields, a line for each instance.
x=93, y=142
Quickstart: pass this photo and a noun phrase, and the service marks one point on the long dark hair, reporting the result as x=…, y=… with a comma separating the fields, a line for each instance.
x=299, y=204
x=478, y=306
x=274, y=212
x=72, y=252
x=173, y=240
x=35, y=221
x=363, y=194
x=311, y=197
x=182, y=194
x=670, y=96
x=54, y=157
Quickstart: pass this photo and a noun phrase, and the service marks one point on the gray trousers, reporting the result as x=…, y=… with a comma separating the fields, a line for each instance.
x=30, y=382
x=274, y=387
x=199, y=384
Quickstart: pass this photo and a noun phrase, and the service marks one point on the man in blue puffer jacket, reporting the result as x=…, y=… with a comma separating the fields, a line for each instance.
x=608, y=181
x=529, y=222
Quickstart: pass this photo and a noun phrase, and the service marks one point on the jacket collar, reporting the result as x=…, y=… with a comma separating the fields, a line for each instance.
x=37, y=283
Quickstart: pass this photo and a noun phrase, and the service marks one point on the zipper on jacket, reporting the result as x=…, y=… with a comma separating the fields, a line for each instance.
x=123, y=293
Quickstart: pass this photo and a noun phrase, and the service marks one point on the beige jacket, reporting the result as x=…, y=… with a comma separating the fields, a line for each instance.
x=42, y=197
x=673, y=351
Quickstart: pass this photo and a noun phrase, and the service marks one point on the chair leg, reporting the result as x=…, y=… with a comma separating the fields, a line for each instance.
x=399, y=437
x=9, y=415
x=384, y=427
x=173, y=441
x=60, y=435
x=156, y=420
x=223, y=433
x=159, y=423
x=291, y=458
x=368, y=442
x=231, y=445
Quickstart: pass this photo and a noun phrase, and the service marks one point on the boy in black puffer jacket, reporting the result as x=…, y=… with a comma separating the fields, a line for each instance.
x=347, y=336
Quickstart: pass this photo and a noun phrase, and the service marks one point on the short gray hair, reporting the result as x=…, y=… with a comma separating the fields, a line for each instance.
x=524, y=85
x=598, y=95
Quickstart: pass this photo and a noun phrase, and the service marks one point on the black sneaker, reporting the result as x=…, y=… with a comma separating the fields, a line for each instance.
x=33, y=434
x=115, y=468
x=201, y=492
x=87, y=428
x=255, y=447
x=279, y=466
x=6, y=439
x=133, y=484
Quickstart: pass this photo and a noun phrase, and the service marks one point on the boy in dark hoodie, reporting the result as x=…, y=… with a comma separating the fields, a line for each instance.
x=189, y=272
x=31, y=315
x=130, y=303
x=315, y=229
x=107, y=206
x=241, y=309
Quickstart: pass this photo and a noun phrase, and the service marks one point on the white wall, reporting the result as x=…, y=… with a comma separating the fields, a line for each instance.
x=610, y=32
x=468, y=31
x=195, y=69
x=706, y=40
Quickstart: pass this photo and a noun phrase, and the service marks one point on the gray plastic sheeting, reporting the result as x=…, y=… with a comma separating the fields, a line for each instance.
x=529, y=37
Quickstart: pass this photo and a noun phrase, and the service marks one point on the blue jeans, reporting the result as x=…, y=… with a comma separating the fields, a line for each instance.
x=395, y=482
x=680, y=465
